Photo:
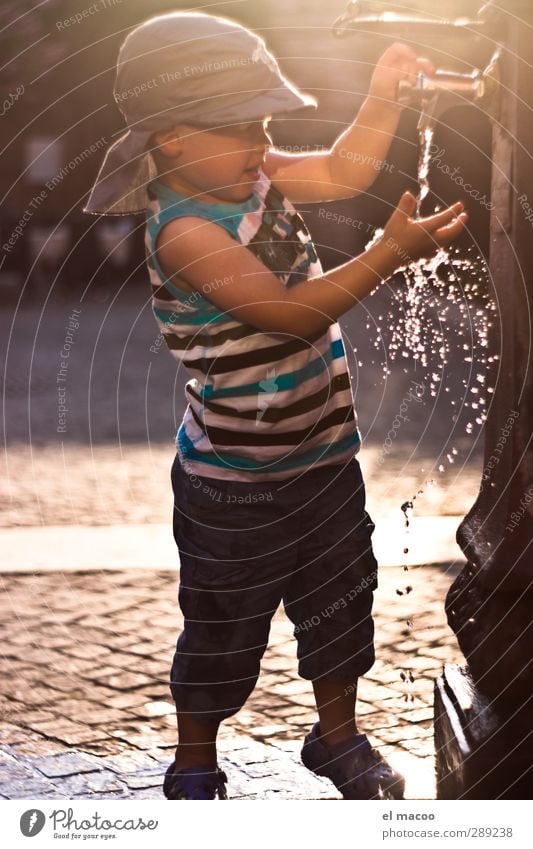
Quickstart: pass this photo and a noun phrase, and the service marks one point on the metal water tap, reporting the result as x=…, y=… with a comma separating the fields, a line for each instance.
x=435, y=95
x=360, y=15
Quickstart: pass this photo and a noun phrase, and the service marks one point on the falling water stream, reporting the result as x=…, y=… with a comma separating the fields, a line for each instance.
x=443, y=303
x=424, y=162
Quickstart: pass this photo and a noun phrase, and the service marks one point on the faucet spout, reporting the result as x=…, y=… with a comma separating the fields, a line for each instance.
x=446, y=89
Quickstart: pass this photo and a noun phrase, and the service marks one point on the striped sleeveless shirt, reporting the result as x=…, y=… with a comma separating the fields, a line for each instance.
x=261, y=405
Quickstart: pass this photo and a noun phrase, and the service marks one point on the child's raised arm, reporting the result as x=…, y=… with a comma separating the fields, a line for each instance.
x=199, y=252
x=358, y=154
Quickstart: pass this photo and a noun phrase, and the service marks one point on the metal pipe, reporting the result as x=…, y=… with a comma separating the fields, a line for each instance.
x=464, y=86
x=446, y=89
x=361, y=15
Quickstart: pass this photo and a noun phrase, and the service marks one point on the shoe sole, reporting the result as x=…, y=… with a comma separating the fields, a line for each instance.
x=390, y=792
x=393, y=790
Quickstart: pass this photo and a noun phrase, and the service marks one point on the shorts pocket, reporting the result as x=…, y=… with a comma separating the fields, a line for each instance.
x=364, y=566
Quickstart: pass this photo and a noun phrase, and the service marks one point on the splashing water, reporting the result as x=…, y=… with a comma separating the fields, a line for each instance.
x=434, y=312
x=408, y=679
x=407, y=509
x=426, y=141
x=443, y=306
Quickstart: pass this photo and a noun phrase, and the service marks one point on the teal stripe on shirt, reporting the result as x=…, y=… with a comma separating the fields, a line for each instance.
x=173, y=317
x=283, y=381
x=189, y=452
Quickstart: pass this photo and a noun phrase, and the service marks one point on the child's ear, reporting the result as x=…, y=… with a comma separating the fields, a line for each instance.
x=168, y=142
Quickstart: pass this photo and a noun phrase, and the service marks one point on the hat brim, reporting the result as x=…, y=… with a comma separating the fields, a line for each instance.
x=121, y=185
x=275, y=101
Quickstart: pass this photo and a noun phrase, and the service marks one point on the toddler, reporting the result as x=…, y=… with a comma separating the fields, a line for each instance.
x=269, y=501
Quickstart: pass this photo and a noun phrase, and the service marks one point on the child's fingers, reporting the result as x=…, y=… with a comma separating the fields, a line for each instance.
x=426, y=66
x=405, y=208
x=445, y=235
x=433, y=222
x=406, y=205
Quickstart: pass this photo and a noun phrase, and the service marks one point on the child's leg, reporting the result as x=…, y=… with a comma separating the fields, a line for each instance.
x=330, y=598
x=335, y=701
x=230, y=587
x=197, y=742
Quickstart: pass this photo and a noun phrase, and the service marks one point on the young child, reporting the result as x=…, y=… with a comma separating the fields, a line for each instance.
x=269, y=502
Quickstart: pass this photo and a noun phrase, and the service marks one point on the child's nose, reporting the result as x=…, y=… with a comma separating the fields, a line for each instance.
x=261, y=137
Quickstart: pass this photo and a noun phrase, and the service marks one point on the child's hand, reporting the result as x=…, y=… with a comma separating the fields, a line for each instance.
x=398, y=62
x=411, y=239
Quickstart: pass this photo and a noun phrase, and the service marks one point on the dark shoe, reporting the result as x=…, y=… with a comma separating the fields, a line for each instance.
x=195, y=782
x=354, y=767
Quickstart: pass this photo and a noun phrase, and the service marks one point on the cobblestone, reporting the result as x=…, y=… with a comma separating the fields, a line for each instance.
x=103, y=730
x=62, y=765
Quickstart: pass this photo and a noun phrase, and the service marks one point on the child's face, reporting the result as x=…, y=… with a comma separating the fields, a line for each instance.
x=220, y=163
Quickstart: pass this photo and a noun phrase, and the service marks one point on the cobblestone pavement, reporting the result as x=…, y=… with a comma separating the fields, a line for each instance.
x=87, y=712
x=85, y=702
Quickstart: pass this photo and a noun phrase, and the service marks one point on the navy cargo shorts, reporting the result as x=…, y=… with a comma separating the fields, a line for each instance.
x=244, y=548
